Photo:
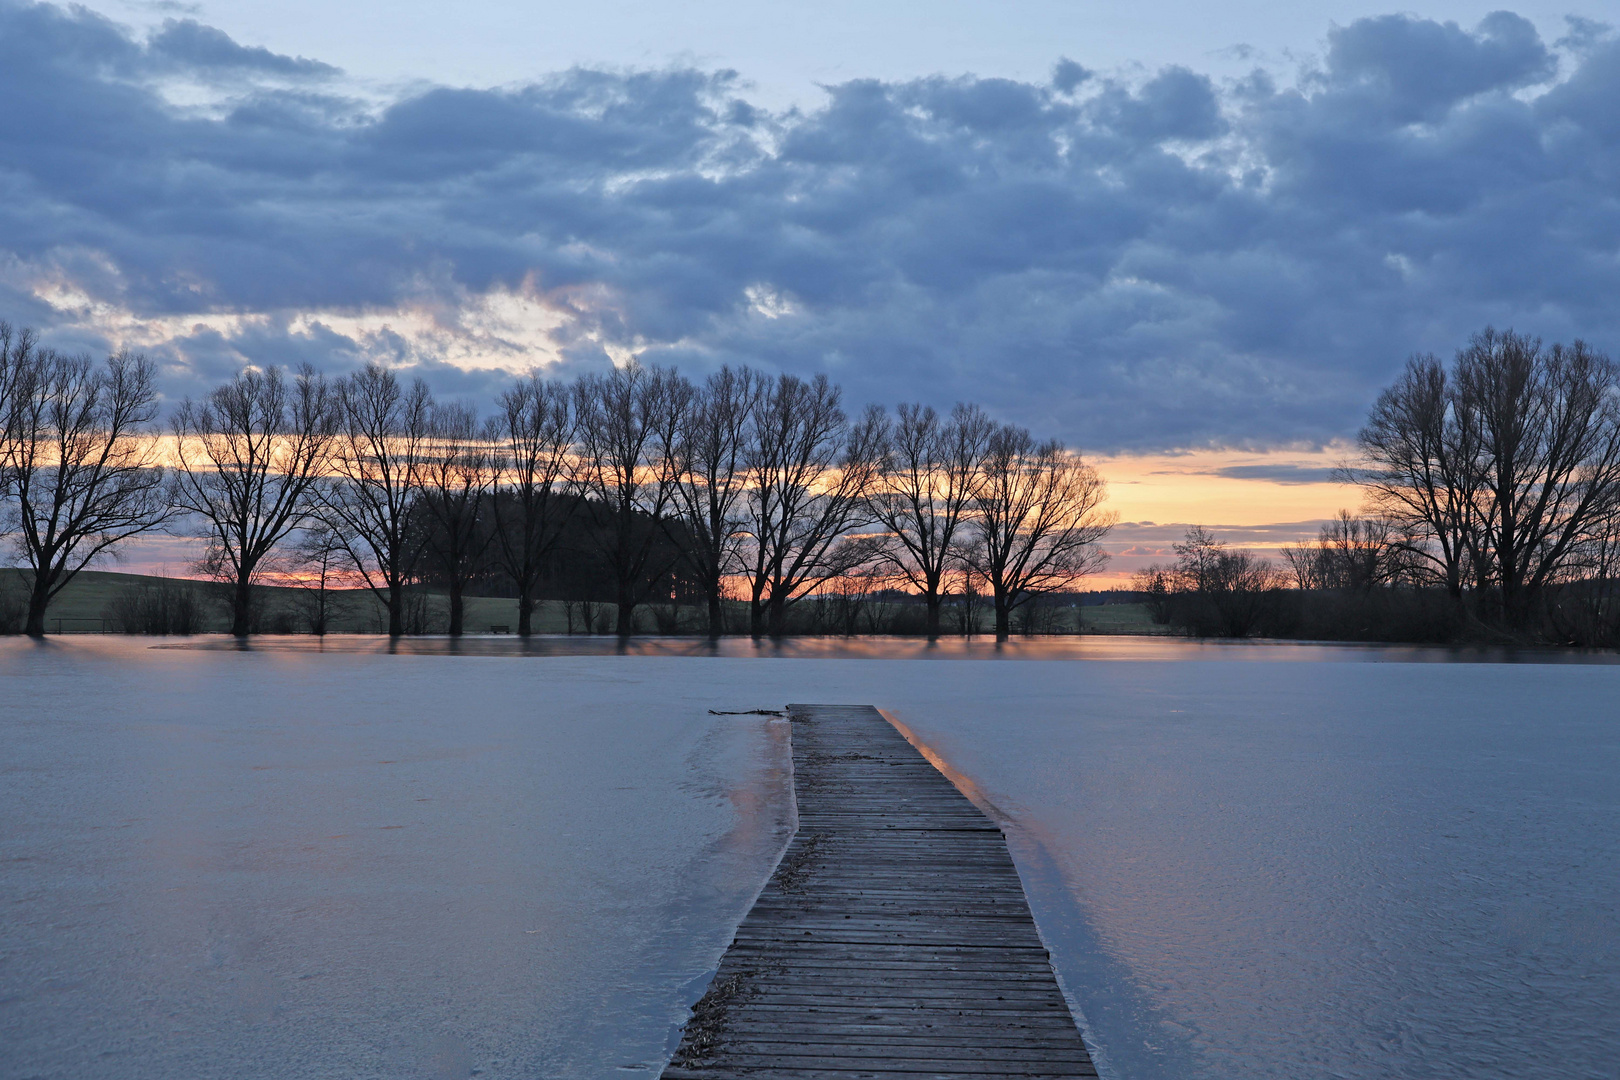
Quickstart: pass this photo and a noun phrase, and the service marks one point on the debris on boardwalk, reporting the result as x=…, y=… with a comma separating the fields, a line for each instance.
x=894, y=939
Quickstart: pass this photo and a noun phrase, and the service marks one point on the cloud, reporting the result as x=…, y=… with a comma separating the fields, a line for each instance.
x=1279, y=473
x=188, y=44
x=1418, y=69
x=1175, y=104
x=1126, y=262
x=1067, y=75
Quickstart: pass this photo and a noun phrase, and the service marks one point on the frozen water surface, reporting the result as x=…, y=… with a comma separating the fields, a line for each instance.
x=1315, y=869
x=1357, y=862
x=278, y=865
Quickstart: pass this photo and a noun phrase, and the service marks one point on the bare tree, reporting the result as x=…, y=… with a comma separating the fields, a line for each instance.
x=629, y=424
x=1213, y=589
x=81, y=462
x=809, y=473
x=1198, y=561
x=1038, y=517
x=930, y=474
x=1549, y=426
x=319, y=559
x=1157, y=584
x=533, y=433
x=456, y=477
x=1509, y=467
x=1419, y=469
x=1231, y=591
x=383, y=443
x=1351, y=553
x=712, y=478
x=1307, y=564
x=18, y=348
x=249, y=456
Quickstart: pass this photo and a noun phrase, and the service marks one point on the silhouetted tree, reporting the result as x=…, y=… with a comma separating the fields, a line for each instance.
x=1503, y=468
x=809, y=472
x=712, y=479
x=318, y=558
x=17, y=358
x=1351, y=553
x=83, y=468
x=383, y=445
x=929, y=474
x=629, y=423
x=532, y=434
x=457, y=474
x=1420, y=469
x=1037, y=519
x=248, y=458
x=1223, y=591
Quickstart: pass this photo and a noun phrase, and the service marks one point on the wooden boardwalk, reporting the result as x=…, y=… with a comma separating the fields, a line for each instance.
x=893, y=941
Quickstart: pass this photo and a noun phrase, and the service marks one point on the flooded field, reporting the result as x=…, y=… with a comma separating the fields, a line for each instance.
x=291, y=862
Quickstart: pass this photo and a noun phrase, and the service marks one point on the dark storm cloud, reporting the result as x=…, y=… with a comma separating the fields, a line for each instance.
x=1158, y=262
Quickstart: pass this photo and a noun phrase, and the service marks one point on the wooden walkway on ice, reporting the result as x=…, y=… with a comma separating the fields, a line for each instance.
x=893, y=941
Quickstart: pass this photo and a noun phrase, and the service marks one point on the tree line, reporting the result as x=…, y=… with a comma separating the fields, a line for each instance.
x=1492, y=510
x=742, y=485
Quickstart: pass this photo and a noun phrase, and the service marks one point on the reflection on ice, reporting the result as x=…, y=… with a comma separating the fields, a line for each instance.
x=1087, y=647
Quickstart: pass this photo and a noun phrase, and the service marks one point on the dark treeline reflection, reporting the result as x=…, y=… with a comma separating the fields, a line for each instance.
x=628, y=493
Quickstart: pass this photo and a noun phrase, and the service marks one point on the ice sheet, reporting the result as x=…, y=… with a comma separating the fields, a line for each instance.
x=1314, y=869
x=1245, y=869
x=278, y=865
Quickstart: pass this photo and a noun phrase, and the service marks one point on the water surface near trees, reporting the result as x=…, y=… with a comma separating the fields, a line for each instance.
x=1356, y=862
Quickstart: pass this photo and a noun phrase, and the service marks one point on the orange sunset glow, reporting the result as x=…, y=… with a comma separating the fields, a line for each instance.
x=1260, y=501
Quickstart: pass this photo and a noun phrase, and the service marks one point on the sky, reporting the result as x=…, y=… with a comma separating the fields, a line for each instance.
x=785, y=52
x=1186, y=239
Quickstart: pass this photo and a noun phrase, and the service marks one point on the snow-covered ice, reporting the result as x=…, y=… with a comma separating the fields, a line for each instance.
x=1250, y=861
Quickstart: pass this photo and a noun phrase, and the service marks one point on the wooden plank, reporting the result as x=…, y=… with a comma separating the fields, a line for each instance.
x=893, y=941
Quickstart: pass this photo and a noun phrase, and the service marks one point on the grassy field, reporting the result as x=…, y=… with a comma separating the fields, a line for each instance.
x=1119, y=619
x=97, y=601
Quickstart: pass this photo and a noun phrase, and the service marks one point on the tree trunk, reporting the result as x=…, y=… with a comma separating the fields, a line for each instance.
x=626, y=625
x=1517, y=605
x=777, y=610
x=756, y=616
x=525, y=613
x=717, y=615
x=1003, y=616
x=39, y=598
x=457, y=609
x=396, y=614
x=933, y=614
x=241, y=605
